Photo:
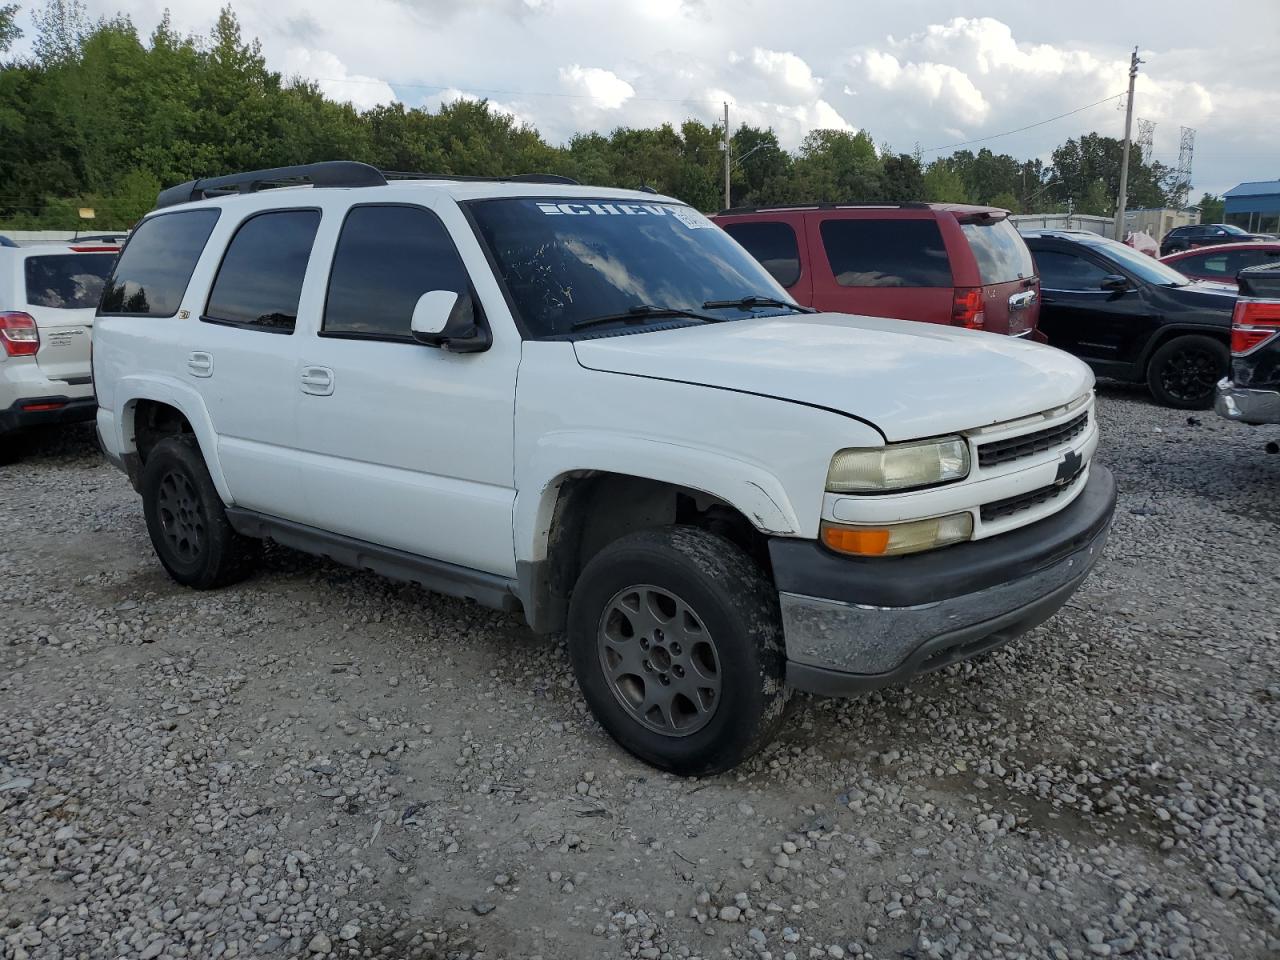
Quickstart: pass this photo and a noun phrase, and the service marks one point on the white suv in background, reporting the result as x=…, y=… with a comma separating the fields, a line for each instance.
x=48, y=295
x=593, y=407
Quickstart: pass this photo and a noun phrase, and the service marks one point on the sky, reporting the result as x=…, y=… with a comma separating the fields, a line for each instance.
x=913, y=73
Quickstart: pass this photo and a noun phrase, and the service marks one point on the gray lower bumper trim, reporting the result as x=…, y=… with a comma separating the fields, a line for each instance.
x=1247, y=406
x=872, y=646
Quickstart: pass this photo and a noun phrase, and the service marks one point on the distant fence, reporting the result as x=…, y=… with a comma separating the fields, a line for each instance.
x=54, y=236
x=1063, y=221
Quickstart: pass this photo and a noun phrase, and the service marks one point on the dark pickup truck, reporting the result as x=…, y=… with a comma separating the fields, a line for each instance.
x=1252, y=393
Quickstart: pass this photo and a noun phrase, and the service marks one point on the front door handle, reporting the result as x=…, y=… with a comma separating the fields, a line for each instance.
x=200, y=364
x=317, y=381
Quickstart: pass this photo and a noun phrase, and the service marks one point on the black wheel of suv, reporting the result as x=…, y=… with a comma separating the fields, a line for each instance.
x=676, y=641
x=186, y=519
x=1184, y=372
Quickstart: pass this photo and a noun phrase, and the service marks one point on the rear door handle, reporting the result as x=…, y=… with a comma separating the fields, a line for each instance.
x=317, y=381
x=200, y=364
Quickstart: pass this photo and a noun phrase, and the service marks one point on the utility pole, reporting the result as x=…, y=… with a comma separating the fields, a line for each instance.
x=727, y=204
x=1124, y=162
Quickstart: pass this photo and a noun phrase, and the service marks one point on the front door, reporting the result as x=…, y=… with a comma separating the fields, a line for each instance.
x=401, y=444
x=1079, y=316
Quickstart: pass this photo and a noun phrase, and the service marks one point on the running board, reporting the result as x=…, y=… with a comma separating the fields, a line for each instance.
x=487, y=589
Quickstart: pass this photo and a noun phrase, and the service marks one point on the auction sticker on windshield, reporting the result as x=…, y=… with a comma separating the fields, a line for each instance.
x=686, y=215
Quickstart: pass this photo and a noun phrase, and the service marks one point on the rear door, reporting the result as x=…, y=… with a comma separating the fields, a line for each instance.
x=780, y=250
x=878, y=264
x=62, y=287
x=1007, y=274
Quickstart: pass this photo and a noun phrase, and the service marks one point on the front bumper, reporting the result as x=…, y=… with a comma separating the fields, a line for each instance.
x=854, y=625
x=1247, y=406
x=47, y=411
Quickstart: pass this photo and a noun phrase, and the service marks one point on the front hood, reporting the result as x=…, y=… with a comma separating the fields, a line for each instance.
x=908, y=379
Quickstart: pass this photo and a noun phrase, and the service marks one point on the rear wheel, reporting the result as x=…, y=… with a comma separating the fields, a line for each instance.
x=677, y=644
x=1184, y=372
x=187, y=521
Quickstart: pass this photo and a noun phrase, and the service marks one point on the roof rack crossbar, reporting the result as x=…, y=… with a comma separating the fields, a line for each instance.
x=330, y=173
x=462, y=178
x=828, y=205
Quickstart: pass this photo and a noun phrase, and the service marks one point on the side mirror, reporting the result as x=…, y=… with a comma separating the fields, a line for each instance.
x=1115, y=282
x=443, y=318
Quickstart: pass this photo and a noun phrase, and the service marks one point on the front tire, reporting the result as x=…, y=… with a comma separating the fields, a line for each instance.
x=1183, y=373
x=187, y=521
x=676, y=641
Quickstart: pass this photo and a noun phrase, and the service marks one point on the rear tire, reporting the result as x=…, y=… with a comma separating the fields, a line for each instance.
x=1183, y=373
x=187, y=520
x=676, y=641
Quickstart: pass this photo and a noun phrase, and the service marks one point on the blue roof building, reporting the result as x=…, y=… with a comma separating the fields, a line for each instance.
x=1254, y=206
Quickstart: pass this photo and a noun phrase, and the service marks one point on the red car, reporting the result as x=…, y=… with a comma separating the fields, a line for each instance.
x=944, y=263
x=1223, y=262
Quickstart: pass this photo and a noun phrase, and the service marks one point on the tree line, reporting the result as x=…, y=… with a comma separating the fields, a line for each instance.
x=97, y=116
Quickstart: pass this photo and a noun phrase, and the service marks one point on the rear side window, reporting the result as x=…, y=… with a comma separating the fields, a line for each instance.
x=72, y=281
x=886, y=253
x=1001, y=253
x=259, y=282
x=388, y=257
x=773, y=244
x=1066, y=271
x=151, y=276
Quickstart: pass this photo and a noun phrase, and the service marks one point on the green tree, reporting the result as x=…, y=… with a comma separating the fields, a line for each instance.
x=61, y=27
x=9, y=31
x=942, y=184
x=1212, y=208
x=902, y=178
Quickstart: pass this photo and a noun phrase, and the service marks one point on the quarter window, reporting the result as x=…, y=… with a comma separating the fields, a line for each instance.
x=886, y=253
x=1066, y=271
x=260, y=281
x=773, y=244
x=151, y=276
x=387, y=258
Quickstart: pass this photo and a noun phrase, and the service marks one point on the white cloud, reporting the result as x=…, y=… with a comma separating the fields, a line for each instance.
x=604, y=87
x=333, y=77
x=792, y=71
x=938, y=83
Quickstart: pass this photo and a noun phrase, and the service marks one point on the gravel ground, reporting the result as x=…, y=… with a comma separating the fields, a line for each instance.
x=322, y=763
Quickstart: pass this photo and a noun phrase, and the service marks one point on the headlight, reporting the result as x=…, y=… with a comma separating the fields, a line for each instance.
x=898, y=466
x=891, y=539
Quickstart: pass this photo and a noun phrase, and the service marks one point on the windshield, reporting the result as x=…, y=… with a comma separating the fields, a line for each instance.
x=1144, y=267
x=1001, y=252
x=564, y=263
x=68, y=281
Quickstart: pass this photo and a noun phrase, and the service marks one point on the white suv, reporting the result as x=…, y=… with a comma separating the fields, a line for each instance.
x=48, y=293
x=594, y=407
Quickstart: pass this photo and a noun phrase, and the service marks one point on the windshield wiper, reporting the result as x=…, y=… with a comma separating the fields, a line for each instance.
x=746, y=303
x=642, y=313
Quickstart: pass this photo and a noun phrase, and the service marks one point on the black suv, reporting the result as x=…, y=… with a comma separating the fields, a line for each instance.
x=1252, y=395
x=1206, y=235
x=1131, y=317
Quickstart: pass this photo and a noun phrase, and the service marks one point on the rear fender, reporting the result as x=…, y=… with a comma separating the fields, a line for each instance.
x=180, y=396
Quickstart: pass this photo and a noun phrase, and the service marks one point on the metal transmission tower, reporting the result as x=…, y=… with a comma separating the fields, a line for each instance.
x=1182, y=179
x=1145, y=139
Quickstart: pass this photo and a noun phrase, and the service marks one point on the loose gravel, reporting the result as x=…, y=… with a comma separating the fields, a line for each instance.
x=320, y=763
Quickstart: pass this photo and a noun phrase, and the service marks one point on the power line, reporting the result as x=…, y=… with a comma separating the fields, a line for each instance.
x=1029, y=126
x=508, y=93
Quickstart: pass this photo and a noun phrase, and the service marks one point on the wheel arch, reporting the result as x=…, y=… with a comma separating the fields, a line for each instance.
x=150, y=410
x=578, y=512
x=1174, y=330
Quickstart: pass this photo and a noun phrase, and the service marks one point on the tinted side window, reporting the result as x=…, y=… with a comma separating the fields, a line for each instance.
x=1214, y=264
x=71, y=281
x=886, y=253
x=152, y=273
x=388, y=257
x=260, y=280
x=1066, y=271
x=773, y=244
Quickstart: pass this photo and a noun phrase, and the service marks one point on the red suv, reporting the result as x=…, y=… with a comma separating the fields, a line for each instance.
x=938, y=262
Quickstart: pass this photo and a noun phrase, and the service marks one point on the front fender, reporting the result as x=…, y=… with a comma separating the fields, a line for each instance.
x=172, y=391
x=751, y=490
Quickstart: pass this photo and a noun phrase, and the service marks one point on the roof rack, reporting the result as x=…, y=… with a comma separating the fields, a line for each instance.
x=329, y=173
x=780, y=207
x=514, y=178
